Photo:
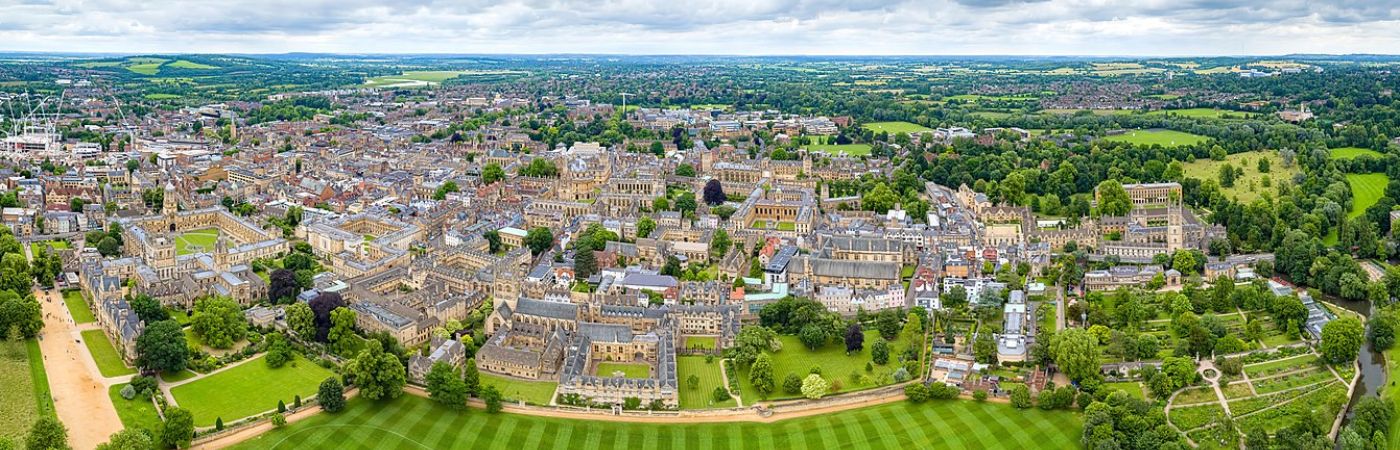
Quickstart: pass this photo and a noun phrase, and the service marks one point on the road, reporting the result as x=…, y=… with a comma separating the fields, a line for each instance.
x=79, y=392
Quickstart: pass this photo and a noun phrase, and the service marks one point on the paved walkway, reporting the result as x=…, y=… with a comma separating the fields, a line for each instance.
x=79, y=391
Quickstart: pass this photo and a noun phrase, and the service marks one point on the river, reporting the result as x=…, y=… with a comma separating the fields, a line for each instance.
x=1372, y=363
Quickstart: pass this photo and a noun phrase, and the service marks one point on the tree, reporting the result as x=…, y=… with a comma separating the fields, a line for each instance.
x=984, y=348
x=1020, y=396
x=161, y=347
x=447, y=187
x=888, y=323
x=645, y=226
x=321, y=307
x=279, y=350
x=471, y=378
x=129, y=439
x=692, y=382
x=492, y=173
x=301, y=320
x=109, y=246
x=720, y=394
x=539, y=239
x=685, y=170
x=713, y=193
x=814, y=386
x=792, y=384
x=719, y=243
x=1341, y=340
x=178, y=429
x=879, y=199
x=585, y=264
x=283, y=286
x=855, y=338
x=1076, y=353
x=761, y=375
x=955, y=298
x=445, y=386
x=378, y=374
x=813, y=336
x=1113, y=199
x=331, y=395
x=493, y=241
x=880, y=351
x=148, y=309
x=218, y=321
x=492, y=397
x=685, y=203
x=47, y=433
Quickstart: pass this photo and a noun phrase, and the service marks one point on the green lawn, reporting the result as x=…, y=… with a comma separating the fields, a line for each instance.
x=78, y=306
x=195, y=241
x=833, y=361
x=414, y=422
x=1249, y=186
x=533, y=392
x=1131, y=387
x=177, y=376
x=1165, y=138
x=108, y=360
x=1392, y=391
x=628, y=370
x=1366, y=190
x=26, y=395
x=841, y=149
x=701, y=397
x=135, y=413
x=700, y=342
x=1352, y=152
x=248, y=389
x=896, y=127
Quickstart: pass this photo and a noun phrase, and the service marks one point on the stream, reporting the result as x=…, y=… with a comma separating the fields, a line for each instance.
x=1372, y=363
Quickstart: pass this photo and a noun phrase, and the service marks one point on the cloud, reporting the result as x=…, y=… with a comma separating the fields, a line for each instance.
x=1141, y=27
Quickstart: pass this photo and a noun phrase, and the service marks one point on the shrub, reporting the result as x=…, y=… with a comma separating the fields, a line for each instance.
x=720, y=394
x=279, y=420
x=916, y=393
x=979, y=395
x=792, y=384
x=128, y=392
x=901, y=375
x=219, y=423
x=814, y=387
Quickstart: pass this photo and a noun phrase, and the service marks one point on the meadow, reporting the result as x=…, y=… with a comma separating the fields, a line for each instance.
x=1249, y=186
x=247, y=389
x=414, y=422
x=1352, y=152
x=26, y=395
x=1165, y=138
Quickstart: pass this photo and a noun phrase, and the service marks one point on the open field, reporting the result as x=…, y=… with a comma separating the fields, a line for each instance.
x=247, y=389
x=1352, y=152
x=414, y=422
x=161, y=96
x=108, y=360
x=135, y=413
x=1250, y=185
x=896, y=127
x=628, y=370
x=533, y=392
x=26, y=393
x=1366, y=190
x=841, y=149
x=419, y=78
x=835, y=365
x=1165, y=138
x=710, y=378
x=183, y=64
x=1202, y=113
x=78, y=306
x=196, y=241
x=145, y=66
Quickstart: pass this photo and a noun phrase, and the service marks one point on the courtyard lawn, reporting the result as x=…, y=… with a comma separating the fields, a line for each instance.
x=532, y=392
x=700, y=342
x=835, y=365
x=78, y=306
x=1249, y=186
x=108, y=360
x=1352, y=152
x=196, y=241
x=248, y=389
x=628, y=370
x=138, y=412
x=1366, y=190
x=710, y=376
x=1165, y=138
x=415, y=422
x=896, y=127
x=26, y=394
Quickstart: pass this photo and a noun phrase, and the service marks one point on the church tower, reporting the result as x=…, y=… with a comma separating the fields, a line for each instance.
x=170, y=205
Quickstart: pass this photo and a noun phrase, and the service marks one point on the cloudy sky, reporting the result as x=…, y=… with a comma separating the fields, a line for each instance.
x=932, y=27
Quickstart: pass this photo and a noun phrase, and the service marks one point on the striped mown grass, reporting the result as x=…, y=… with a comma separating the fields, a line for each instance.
x=411, y=422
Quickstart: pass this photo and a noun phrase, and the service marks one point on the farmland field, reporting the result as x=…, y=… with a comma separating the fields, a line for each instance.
x=896, y=127
x=1352, y=152
x=1249, y=186
x=1165, y=138
x=414, y=422
x=1366, y=190
x=248, y=389
x=710, y=378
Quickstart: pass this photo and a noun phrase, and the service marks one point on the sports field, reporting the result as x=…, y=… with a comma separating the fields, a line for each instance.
x=411, y=422
x=109, y=362
x=1352, y=152
x=835, y=364
x=1366, y=190
x=78, y=306
x=1165, y=138
x=896, y=127
x=26, y=394
x=628, y=370
x=248, y=389
x=710, y=376
x=533, y=392
x=196, y=241
x=1249, y=186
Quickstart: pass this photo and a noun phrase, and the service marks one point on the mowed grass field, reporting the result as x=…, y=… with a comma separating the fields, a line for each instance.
x=78, y=306
x=1249, y=186
x=835, y=365
x=628, y=370
x=411, y=422
x=533, y=392
x=1352, y=152
x=248, y=389
x=1366, y=190
x=896, y=127
x=710, y=376
x=108, y=360
x=1165, y=138
x=26, y=396
x=194, y=241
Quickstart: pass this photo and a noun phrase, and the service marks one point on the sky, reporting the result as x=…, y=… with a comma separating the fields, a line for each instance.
x=725, y=27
